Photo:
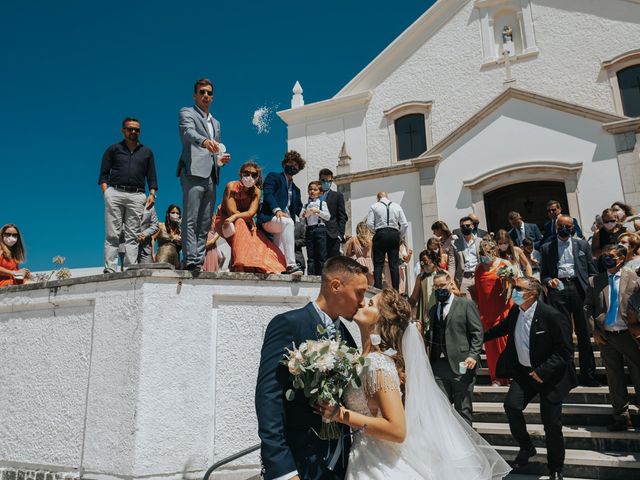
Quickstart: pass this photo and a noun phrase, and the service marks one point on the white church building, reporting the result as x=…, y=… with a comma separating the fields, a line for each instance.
x=487, y=106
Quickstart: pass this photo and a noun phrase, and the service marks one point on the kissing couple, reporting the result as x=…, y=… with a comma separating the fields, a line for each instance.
x=397, y=425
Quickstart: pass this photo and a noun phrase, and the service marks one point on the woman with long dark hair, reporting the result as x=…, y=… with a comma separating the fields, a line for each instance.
x=11, y=256
x=169, y=237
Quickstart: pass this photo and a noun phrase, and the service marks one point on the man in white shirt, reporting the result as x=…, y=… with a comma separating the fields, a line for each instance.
x=387, y=220
x=466, y=249
x=539, y=359
x=606, y=310
x=315, y=214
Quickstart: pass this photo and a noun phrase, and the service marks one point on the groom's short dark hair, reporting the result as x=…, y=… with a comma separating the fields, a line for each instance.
x=342, y=265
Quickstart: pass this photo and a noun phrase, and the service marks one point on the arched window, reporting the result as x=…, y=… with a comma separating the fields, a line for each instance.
x=629, y=83
x=411, y=139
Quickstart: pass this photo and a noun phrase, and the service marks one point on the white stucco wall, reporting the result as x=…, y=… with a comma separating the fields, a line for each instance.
x=573, y=36
x=137, y=374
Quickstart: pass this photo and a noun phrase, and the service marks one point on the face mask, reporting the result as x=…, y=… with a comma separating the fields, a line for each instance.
x=609, y=262
x=475, y=227
x=609, y=225
x=375, y=339
x=442, y=294
x=326, y=185
x=175, y=217
x=10, y=241
x=466, y=230
x=565, y=232
x=486, y=260
x=517, y=297
x=248, y=181
x=291, y=170
x=503, y=247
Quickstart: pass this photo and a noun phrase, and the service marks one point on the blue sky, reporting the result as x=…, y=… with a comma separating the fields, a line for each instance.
x=71, y=71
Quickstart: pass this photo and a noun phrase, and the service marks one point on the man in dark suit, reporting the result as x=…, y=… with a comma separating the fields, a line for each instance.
x=290, y=448
x=199, y=172
x=565, y=268
x=455, y=341
x=606, y=310
x=538, y=357
x=281, y=205
x=521, y=230
x=477, y=231
x=335, y=204
x=554, y=209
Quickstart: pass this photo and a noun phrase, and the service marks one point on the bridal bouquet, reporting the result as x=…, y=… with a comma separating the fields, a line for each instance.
x=508, y=275
x=322, y=369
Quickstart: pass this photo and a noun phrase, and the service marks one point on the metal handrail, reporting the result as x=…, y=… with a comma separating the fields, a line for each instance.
x=230, y=458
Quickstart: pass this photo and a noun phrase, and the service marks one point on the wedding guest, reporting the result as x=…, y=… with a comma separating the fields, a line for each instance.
x=339, y=217
x=125, y=168
x=521, y=230
x=477, y=231
x=213, y=258
x=626, y=216
x=494, y=303
x=466, y=248
x=542, y=367
x=423, y=297
x=554, y=209
x=251, y=250
x=441, y=231
x=315, y=215
x=390, y=225
x=12, y=254
x=455, y=340
x=280, y=207
x=199, y=171
x=612, y=228
x=149, y=226
x=404, y=256
x=533, y=256
x=169, y=237
x=514, y=255
x=631, y=241
x=565, y=269
x=606, y=311
x=359, y=246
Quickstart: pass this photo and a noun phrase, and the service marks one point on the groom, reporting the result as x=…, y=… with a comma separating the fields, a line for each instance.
x=290, y=448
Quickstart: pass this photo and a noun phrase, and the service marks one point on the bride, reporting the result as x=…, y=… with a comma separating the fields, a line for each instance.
x=422, y=439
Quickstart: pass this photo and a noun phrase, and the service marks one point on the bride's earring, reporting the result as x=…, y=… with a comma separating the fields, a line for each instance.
x=375, y=339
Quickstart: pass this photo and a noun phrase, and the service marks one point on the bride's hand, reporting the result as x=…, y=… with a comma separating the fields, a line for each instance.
x=335, y=413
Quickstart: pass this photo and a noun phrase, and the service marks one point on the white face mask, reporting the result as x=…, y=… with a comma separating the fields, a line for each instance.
x=10, y=241
x=175, y=217
x=609, y=225
x=503, y=247
x=248, y=181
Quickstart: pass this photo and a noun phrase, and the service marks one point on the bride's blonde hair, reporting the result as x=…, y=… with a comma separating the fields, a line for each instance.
x=395, y=317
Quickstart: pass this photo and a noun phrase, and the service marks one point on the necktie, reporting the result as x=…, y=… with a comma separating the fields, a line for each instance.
x=613, y=302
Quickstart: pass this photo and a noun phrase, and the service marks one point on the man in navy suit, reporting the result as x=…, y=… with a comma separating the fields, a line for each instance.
x=554, y=209
x=565, y=269
x=339, y=217
x=281, y=204
x=290, y=448
x=522, y=230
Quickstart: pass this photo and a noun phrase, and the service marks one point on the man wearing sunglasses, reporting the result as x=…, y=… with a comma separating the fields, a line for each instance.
x=538, y=357
x=125, y=168
x=554, y=210
x=199, y=172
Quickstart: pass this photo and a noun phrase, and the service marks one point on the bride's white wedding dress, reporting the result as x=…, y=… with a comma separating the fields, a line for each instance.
x=439, y=444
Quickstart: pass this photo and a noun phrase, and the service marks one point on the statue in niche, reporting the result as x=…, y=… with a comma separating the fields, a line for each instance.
x=507, y=34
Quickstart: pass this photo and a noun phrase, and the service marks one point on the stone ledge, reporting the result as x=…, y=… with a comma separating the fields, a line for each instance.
x=22, y=474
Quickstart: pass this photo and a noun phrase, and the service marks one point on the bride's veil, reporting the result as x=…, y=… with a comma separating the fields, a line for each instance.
x=439, y=443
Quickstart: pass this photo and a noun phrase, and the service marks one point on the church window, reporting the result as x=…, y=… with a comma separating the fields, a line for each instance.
x=629, y=82
x=410, y=136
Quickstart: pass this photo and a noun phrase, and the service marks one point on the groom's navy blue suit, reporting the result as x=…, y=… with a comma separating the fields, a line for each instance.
x=285, y=427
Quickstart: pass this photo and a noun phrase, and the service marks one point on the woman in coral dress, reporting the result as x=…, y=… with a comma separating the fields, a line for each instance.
x=11, y=255
x=251, y=250
x=493, y=300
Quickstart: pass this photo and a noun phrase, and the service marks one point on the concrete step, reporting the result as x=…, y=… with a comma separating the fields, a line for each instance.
x=576, y=437
x=489, y=393
x=573, y=414
x=604, y=465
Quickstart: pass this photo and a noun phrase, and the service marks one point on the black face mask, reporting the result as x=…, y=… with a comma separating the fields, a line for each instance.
x=291, y=170
x=609, y=262
x=475, y=227
x=442, y=294
x=565, y=232
x=466, y=230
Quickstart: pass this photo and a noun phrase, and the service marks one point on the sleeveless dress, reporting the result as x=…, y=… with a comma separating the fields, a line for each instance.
x=9, y=264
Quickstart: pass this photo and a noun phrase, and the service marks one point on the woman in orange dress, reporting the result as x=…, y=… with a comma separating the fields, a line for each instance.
x=11, y=255
x=493, y=300
x=251, y=250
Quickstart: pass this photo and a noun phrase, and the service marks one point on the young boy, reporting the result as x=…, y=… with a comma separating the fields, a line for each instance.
x=315, y=214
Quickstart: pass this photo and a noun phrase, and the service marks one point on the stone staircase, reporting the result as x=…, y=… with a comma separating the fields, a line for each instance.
x=592, y=451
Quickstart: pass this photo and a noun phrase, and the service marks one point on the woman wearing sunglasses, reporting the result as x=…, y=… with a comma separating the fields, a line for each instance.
x=11, y=255
x=251, y=250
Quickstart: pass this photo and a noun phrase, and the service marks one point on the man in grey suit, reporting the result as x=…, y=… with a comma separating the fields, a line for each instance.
x=455, y=341
x=199, y=172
